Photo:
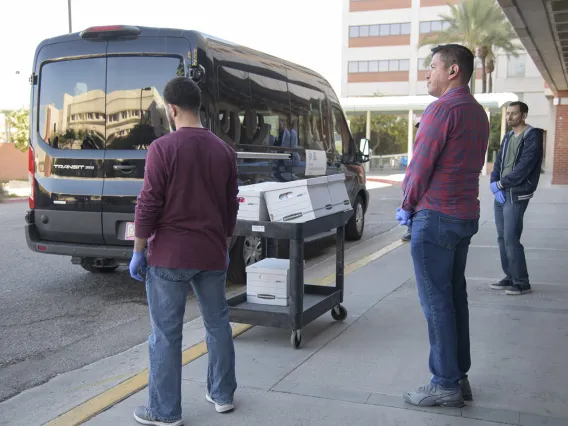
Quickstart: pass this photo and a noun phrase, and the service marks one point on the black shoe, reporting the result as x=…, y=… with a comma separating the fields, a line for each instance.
x=518, y=289
x=406, y=237
x=466, y=389
x=504, y=284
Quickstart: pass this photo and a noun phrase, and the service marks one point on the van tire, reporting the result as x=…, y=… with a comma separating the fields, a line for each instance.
x=250, y=248
x=356, y=225
x=99, y=269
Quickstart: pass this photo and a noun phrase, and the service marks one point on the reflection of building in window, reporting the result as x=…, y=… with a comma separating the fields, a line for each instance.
x=84, y=115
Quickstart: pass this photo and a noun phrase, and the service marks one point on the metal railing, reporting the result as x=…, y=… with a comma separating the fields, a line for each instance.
x=388, y=162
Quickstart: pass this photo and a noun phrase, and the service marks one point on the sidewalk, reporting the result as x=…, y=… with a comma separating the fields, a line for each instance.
x=354, y=372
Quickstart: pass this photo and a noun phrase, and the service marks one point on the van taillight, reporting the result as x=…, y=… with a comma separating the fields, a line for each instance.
x=31, y=176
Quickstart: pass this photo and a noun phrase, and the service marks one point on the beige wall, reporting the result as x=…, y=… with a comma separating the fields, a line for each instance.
x=13, y=163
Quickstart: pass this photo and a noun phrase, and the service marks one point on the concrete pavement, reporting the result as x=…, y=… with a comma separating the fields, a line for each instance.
x=354, y=372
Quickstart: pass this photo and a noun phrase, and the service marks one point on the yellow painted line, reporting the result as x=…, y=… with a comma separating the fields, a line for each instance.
x=94, y=406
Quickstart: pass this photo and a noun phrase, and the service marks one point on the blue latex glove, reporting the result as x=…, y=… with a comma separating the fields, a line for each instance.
x=500, y=197
x=494, y=188
x=138, y=263
x=403, y=217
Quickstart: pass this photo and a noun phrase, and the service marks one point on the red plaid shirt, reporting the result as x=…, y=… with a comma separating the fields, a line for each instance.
x=449, y=153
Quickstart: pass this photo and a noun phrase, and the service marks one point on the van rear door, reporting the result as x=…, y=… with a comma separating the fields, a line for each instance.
x=68, y=139
x=137, y=72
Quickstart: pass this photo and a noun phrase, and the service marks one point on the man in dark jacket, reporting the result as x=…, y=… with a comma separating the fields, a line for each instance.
x=513, y=182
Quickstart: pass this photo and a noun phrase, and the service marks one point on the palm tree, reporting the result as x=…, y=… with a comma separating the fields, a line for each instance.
x=481, y=26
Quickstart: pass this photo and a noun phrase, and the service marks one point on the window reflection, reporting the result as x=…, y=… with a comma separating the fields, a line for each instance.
x=76, y=112
x=72, y=104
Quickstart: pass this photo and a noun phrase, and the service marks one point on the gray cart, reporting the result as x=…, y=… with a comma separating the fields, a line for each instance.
x=306, y=302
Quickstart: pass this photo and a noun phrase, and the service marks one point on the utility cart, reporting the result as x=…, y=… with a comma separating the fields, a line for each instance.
x=306, y=302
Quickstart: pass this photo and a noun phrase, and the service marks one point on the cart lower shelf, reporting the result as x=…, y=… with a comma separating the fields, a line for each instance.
x=317, y=300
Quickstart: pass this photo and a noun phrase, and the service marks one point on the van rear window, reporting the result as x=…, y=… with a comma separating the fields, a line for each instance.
x=105, y=103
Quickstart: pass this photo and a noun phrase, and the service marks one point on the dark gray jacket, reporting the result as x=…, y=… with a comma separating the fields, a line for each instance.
x=522, y=182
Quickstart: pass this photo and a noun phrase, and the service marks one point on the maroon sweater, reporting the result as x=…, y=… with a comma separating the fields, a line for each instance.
x=188, y=203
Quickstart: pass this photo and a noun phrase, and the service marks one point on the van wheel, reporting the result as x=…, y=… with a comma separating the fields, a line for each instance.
x=99, y=269
x=356, y=225
x=247, y=251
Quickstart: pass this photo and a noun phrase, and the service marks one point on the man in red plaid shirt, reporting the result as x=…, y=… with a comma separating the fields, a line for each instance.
x=440, y=200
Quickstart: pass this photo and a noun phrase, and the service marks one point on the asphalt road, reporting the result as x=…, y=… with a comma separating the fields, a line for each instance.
x=55, y=317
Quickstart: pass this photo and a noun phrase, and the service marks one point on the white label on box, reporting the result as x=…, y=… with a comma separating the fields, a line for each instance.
x=316, y=163
x=256, y=228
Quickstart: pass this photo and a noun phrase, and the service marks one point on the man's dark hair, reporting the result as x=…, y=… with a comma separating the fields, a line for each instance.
x=524, y=108
x=183, y=93
x=456, y=54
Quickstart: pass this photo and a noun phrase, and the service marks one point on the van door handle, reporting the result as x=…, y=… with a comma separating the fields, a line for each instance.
x=123, y=168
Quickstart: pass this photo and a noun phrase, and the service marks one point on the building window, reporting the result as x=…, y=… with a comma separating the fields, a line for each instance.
x=433, y=26
x=379, y=30
x=516, y=66
x=379, y=66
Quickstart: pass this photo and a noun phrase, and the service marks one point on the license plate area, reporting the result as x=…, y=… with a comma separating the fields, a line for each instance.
x=129, y=231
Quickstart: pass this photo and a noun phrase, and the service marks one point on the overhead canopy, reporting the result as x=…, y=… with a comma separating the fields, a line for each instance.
x=417, y=103
x=542, y=27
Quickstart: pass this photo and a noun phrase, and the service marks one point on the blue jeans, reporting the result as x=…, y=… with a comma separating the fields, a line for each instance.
x=167, y=291
x=509, y=222
x=439, y=247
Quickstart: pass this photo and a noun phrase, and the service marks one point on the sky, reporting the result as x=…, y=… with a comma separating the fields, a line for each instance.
x=307, y=32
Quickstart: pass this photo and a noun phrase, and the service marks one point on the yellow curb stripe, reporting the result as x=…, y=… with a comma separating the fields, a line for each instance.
x=94, y=406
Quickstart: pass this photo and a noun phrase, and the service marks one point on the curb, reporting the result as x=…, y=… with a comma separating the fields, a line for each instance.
x=391, y=182
x=14, y=200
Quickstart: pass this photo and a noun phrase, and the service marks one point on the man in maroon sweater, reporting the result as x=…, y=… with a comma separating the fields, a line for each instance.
x=186, y=214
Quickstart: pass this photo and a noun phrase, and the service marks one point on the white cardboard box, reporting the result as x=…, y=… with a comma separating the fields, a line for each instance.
x=268, y=282
x=338, y=193
x=299, y=201
x=252, y=205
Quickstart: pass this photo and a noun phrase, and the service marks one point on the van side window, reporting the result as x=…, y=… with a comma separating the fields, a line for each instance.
x=72, y=104
x=268, y=123
x=340, y=132
x=136, y=112
x=234, y=102
x=309, y=117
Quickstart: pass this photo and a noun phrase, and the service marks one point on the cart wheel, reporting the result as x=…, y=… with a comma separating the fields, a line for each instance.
x=339, y=313
x=296, y=338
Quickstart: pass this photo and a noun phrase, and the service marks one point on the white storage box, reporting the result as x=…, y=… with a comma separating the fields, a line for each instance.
x=338, y=193
x=299, y=201
x=268, y=282
x=252, y=205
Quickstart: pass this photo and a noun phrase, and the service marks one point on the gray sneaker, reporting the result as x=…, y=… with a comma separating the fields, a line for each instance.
x=220, y=408
x=518, y=289
x=431, y=395
x=466, y=389
x=142, y=416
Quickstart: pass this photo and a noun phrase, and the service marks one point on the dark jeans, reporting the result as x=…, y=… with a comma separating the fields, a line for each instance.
x=439, y=249
x=509, y=222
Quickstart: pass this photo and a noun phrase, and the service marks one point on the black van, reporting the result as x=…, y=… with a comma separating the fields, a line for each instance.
x=96, y=106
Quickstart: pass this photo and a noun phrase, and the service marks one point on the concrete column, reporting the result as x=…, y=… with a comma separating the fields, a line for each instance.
x=484, y=170
x=410, y=133
x=560, y=162
x=368, y=136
